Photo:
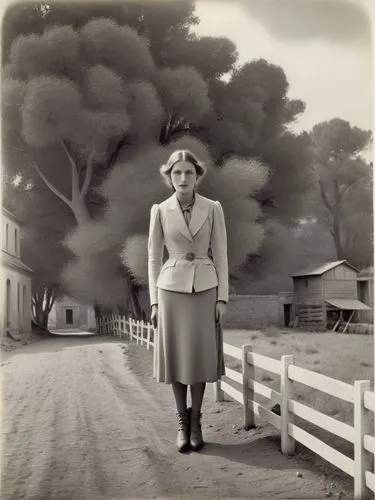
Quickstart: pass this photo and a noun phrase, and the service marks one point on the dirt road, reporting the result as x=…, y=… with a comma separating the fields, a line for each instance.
x=83, y=419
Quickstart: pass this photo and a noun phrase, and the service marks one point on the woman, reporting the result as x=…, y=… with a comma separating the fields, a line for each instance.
x=189, y=292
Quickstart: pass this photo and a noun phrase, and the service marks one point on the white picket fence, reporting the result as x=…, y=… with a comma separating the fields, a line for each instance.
x=361, y=434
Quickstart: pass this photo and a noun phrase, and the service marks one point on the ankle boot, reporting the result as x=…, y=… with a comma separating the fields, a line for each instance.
x=183, y=431
x=196, y=438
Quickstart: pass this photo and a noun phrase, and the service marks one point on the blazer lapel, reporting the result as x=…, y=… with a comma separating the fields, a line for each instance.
x=198, y=215
x=178, y=218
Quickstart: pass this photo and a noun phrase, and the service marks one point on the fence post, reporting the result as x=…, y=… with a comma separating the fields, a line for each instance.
x=286, y=394
x=130, y=328
x=247, y=392
x=142, y=331
x=362, y=426
x=218, y=391
x=148, y=335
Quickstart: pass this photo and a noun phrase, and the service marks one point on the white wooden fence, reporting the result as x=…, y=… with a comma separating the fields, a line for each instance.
x=361, y=434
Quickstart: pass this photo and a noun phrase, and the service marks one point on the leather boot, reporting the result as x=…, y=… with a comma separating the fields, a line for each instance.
x=196, y=438
x=183, y=431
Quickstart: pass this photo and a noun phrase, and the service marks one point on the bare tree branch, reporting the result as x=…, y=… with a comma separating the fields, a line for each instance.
x=51, y=187
x=88, y=176
x=324, y=196
x=75, y=179
x=120, y=144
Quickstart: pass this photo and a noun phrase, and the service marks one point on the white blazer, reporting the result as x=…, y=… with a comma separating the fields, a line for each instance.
x=188, y=264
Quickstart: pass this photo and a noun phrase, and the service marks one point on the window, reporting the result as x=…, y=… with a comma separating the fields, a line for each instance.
x=69, y=316
x=16, y=242
x=8, y=303
x=6, y=237
x=25, y=307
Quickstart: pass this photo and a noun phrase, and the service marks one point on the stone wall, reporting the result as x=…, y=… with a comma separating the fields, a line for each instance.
x=255, y=311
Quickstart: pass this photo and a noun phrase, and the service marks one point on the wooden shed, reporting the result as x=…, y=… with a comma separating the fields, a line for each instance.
x=366, y=295
x=326, y=295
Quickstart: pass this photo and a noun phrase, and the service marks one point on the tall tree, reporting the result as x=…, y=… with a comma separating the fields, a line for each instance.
x=343, y=180
x=250, y=118
x=73, y=99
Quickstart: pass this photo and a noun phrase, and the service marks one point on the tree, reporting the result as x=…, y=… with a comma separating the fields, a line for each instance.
x=101, y=95
x=343, y=180
x=159, y=21
x=284, y=251
x=67, y=108
x=250, y=118
x=74, y=99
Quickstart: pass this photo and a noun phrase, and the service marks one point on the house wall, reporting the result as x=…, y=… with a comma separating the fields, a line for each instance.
x=253, y=311
x=343, y=289
x=365, y=295
x=16, y=301
x=83, y=315
x=308, y=290
x=342, y=272
x=61, y=317
x=11, y=237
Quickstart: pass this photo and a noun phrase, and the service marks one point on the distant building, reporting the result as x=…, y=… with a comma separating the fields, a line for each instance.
x=365, y=282
x=16, y=279
x=325, y=293
x=67, y=313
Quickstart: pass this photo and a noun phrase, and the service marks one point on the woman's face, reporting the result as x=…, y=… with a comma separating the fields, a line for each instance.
x=183, y=177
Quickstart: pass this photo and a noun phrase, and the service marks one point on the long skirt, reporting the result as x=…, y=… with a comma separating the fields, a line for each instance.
x=189, y=343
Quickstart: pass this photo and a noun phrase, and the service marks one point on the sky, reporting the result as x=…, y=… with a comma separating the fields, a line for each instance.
x=324, y=47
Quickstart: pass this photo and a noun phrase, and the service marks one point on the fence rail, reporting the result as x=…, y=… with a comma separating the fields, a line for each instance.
x=359, y=394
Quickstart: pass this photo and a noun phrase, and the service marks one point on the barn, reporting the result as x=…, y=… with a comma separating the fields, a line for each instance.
x=326, y=295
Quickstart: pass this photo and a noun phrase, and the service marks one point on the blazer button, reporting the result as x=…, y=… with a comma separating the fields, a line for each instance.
x=190, y=256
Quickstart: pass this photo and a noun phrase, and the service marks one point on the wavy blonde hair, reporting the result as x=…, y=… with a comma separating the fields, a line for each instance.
x=175, y=157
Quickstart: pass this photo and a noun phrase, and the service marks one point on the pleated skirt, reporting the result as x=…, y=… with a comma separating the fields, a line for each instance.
x=188, y=342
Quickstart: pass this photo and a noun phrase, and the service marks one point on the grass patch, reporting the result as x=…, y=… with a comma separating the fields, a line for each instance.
x=254, y=336
x=352, y=360
x=271, y=331
x=365, y=364
x=311, y=350
x=273, y=342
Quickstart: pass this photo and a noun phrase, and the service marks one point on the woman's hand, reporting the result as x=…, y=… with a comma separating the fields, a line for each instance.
x=220, y=310
x=154, y=316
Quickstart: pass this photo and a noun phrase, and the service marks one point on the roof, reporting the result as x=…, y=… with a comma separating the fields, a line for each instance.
x=366, y=274
x=319, y=269
x=13, y=262
x=348, y=304
x=11, y=216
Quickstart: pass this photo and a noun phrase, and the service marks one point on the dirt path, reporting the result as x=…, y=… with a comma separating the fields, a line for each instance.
x=83, y=419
